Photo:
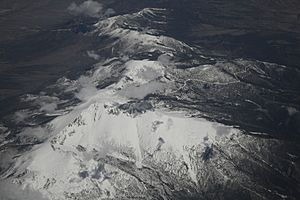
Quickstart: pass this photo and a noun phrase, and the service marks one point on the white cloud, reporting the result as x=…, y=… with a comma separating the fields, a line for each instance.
x=87, y=89
x=47, y=104
x=89, y=8
x=109, y=12
x=292, y=110
x=21, y=115
x=86, y=92
x=31, y=135
x=165, y=59
x=93, y=55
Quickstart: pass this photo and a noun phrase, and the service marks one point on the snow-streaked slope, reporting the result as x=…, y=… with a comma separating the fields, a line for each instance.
x=70, y=160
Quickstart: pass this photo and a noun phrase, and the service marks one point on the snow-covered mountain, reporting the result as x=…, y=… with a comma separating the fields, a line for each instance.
x=157, y=119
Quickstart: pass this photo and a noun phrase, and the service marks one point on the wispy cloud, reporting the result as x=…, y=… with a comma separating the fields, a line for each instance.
x=32, y=135
x=109, y=12
x=165, y=59
x=87, y=88
x=10, y=191
x=21, y=116
x=47, y=104
x=92, y=54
